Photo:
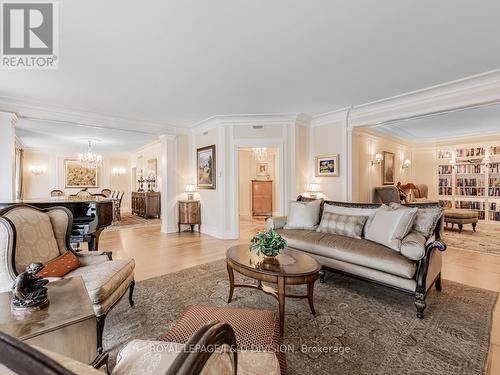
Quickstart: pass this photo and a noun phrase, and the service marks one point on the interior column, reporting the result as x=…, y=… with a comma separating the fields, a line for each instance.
x=7, y=155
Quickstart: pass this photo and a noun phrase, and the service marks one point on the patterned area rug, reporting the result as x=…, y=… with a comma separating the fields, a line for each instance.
x=486, y=239
x=359, y=328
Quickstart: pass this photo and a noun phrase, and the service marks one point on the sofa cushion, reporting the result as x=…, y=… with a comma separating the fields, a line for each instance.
x=35, y=240
x=426, y=220
x=345, y=225
x=60, y=266
x=356, y=251
x=413, y=245
x=303, y=215
x=102, y=279
x=355, y=211
x=391, y=224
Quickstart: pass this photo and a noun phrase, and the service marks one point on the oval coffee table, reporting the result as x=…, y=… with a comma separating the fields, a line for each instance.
x=290, y=267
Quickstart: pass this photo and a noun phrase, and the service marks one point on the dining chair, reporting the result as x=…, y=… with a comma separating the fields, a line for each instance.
x=106, y=192
x=56, y=193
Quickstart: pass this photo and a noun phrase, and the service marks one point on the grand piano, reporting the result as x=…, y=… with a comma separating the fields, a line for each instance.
x=90, y=215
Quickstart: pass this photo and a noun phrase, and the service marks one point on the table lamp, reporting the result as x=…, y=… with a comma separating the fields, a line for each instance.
x=313, y=190
x=190, y=190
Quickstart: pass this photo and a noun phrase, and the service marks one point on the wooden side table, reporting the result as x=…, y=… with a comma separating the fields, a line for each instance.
x=67, y=326
x=189, y=214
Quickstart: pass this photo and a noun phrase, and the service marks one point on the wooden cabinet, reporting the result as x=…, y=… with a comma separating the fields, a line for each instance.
x=189, y=214
x=262, y=197
x=146, y=204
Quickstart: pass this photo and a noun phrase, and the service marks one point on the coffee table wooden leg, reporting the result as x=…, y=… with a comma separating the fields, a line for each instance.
x=231, y=282
x=310, y=291
x=281, y=301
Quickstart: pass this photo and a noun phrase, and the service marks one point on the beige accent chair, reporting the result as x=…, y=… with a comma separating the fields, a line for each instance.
x=386, y=194
x=148, y=357
x=29, y=234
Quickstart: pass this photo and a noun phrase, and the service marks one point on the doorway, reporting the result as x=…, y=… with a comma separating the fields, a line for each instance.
x=258, y=187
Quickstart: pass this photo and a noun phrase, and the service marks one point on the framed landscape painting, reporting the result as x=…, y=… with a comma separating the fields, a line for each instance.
x=327, y=165
x=388, y=168
x=77, y=175
x=206, y=167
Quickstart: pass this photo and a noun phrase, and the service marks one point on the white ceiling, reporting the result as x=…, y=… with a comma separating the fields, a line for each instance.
x=442, y=127
x=74, y=138
x=177, y=62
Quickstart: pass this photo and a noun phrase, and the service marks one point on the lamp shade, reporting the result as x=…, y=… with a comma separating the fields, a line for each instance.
x=313, y=187
x=190, y=188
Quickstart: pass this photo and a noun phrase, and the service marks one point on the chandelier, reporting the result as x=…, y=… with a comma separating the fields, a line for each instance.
x=260, y=154
x=89, y=158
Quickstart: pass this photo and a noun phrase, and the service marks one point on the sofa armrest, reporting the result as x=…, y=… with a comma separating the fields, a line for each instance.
x=87, y=258
x=276, y=222
x=424, y=264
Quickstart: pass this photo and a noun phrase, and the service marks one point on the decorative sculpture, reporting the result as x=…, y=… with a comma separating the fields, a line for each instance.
x=150, y=181
x=29, y=291
x=141, y=184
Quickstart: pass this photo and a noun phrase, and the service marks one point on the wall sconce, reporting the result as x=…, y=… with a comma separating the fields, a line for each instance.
x=406, y=164
x=37, y=169
x=313, y=190
x=118, y=171
x=190, y=190
x=378, y=159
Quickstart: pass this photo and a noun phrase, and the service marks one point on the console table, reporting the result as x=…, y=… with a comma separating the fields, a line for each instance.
x=189, y=214
x=66, y=326
x=146, y=204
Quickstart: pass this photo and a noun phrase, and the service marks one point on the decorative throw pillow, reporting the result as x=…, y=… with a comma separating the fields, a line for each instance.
x=390, y=225
x=344, y=225
x=303, y=215
x=426, y=220
x=352, y=211
x=413, y=246
x=60, y=266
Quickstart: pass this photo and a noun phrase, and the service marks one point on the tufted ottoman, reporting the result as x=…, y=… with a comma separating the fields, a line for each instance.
x=256, y=330
x=461, y=217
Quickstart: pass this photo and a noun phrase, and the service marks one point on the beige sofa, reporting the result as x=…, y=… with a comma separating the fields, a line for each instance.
x=29, y=234
x=411, y=272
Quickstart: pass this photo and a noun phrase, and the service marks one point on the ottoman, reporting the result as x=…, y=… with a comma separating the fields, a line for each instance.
x=461, y=217
x=256, y=330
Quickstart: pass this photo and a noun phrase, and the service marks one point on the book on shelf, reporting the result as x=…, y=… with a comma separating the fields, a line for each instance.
x=469, y=152
x=444, y=154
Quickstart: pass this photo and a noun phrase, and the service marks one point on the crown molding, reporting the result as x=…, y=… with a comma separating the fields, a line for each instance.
x=45, y=112
x=246, y=120
x=338, y=115
x=473, y=91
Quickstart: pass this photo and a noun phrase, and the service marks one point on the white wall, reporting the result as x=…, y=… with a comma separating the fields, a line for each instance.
x=247, y=169
x=39, y=186
x=367, y=176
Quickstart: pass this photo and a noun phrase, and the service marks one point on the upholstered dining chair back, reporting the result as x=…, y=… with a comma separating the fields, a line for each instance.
x=56, y=193
x=83, y=193
x=386, y=194
x=106, y=192
x=29, y=234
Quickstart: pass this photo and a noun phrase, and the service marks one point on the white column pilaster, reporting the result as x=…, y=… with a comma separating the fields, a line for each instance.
x=7, y=155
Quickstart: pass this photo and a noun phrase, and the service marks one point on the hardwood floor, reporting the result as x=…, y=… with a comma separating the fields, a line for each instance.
x=156, y=253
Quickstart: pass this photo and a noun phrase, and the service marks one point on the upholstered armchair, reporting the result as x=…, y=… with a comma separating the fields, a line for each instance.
x=196, y=357
x=29, y=234
x=386, y=194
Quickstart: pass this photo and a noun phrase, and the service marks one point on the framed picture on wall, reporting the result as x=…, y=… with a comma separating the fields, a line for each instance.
x=327, y=165
x=206, y=167
x=388, y=167
x=77, y=175
x=263, y=170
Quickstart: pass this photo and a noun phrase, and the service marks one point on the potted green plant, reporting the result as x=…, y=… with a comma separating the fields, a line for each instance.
x=268, y=243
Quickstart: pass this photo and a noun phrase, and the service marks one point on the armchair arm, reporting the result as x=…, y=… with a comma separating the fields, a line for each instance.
x=276, y=222
x=92, y=257
x=213, y=335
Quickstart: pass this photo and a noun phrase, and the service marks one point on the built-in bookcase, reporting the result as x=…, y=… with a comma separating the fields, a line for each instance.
x=468, y=183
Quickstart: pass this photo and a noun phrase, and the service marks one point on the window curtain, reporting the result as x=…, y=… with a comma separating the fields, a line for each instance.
x=19, y=173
